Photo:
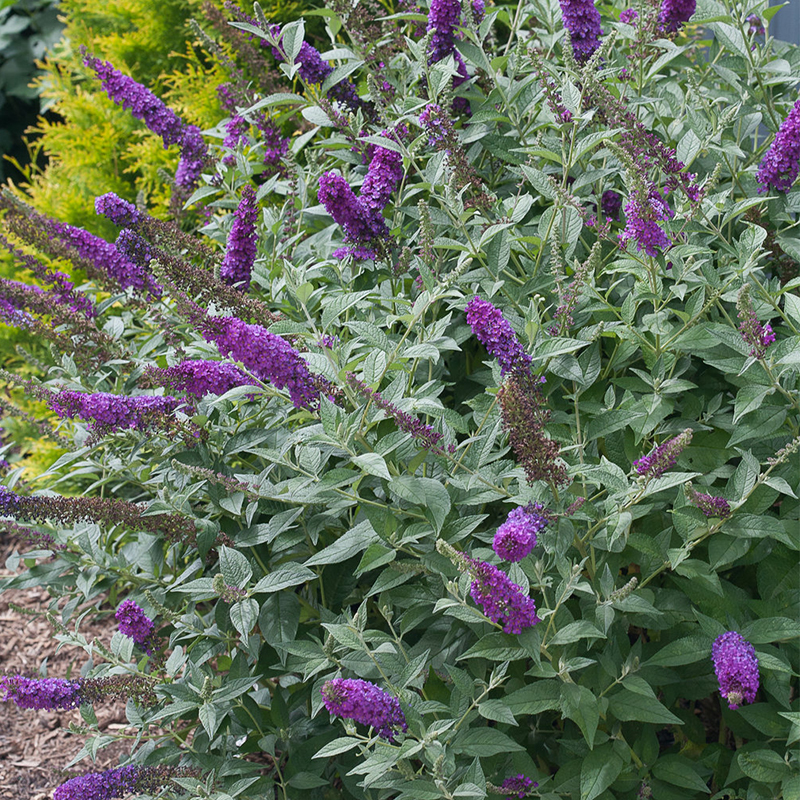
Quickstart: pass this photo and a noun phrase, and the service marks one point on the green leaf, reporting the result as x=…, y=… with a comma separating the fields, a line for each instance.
x=772, y=629
x=679, y=771
x=579, y=704
x=497, y=711
x=682, y=651
x=290, y=574
x=485, y=742
x=628, y=706
x=582, y=629
x=496, y=647
x=543, y=695
x=279, y=618
x=244, y=615
x=356, y=540
x=373, y=464
x=599, y=770
x=425, y=492
x=337, y=746
x=749, y=398
x=730, y=37
x=235, y=567
x=763, y=765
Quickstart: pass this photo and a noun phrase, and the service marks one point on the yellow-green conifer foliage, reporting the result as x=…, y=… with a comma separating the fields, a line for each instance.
x=99, y=147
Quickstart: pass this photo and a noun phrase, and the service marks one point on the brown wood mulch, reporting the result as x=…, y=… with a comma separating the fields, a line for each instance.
x=36, y=746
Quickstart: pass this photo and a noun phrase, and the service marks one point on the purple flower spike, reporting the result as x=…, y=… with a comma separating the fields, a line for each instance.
x=517, y=786
x=383, y=177
x=266, y=355
x=711, y=506
x=496, y=335
x=582, y=20
x=664, y=456
x=516, y=537
x=198, y=378
x=443, y=18
x=736, y=666
x=51, y=694
x=642, y=218
x=365, y=703
x=134, y=623
x=781, y=165
x=611, y=203
x=240, y=253
x=759, y=337
x=120, y=782
x=502, y=600
x=675, y=12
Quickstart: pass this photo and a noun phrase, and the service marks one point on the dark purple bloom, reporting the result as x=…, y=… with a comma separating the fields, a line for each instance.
x=443, y=18
x=780, y=166
x=516, y=537
x=611, y=203
x=120, y=782
x=384, y=174
x=160, y=119
x=675, y=12
x=52, y=694
x=759, y=337
x=582, y=20
x=122, y=213
x=428, y=438
x=240, y=252
x=198, y=378
x=134, y=623
x=275, y=144
x=711, y=506
x=135, y=248
x=112, y=412
x=266, y=355
x=106, y=258
x=629, y=16
x=364, y=227
x=756, y=25
x=664, y=456
x=502, y=601
x=365, y=703
x=642, y=216
x=517, y=787
x=736, y=666
x=496, y=335
x=236, y=131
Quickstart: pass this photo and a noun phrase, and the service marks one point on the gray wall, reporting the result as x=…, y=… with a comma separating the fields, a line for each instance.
x=786, y=23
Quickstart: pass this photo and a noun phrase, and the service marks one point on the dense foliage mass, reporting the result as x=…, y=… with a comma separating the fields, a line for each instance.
x=453, y=452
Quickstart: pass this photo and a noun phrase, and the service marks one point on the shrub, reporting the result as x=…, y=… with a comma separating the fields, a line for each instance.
x=477, y=475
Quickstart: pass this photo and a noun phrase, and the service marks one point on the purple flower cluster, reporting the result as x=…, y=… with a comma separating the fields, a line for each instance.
x=120, y=782
x=134, y=623
x=111, y=412
x=160, y=119
x=582, y=20
x=106, y=258
x=240, y=252
x=710, y=505
x=135, y=248
x=780, y=166
x=384, y=174
x=736, y=666
x=756, y=26
x=443, y=19
x=516, y=537
x=664, y=456
x=424, y=434
x=53, y=694
x=365, y=703
x=611, y=203
x=122, y=213
x=266, y=355
x=642, y=216
x=759, y=337
x=198, y=378
x=517, y=786
x=497, y=336
x=675, y=12
x=629, y=16
x=502, y=600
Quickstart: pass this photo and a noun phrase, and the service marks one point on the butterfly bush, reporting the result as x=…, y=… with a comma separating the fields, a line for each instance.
x=434, y=438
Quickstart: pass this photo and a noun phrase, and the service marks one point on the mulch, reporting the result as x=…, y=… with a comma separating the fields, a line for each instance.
x=36, y=746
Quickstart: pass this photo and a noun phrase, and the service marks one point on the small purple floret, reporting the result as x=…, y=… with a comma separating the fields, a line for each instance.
x=517, y=786
x=516, y=537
